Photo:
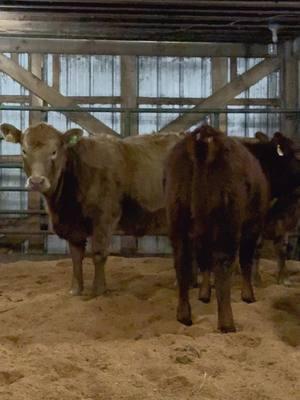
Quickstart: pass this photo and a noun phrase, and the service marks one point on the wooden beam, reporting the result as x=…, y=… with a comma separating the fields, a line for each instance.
x=91, y=100
x=289, y=89
x=51, y=96
x=129, y=121
x=14, y=98
x=219, y=74
x=125, y=47
x=56, y=72
x=274, y=102
x=223, y=96
x=36, y=67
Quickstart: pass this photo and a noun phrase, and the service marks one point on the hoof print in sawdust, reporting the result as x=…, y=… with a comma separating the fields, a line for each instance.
x=176, y=383
x=66, y=369
x=185, y=355
x=245, y=340
x=9, y=377
x=287, y=319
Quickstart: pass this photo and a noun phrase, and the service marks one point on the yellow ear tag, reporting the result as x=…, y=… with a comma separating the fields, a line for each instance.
x=73, y=140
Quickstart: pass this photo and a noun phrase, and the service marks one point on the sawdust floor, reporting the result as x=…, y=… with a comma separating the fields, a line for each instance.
x=128, y=345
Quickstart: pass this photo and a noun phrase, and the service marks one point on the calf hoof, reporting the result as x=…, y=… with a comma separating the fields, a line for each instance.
x=185, y=321
x=204, y=295
x=98, y=291
x=227, y=329
x=76, y=291
x=284, y=280
x=184, y=315
x=248, y=298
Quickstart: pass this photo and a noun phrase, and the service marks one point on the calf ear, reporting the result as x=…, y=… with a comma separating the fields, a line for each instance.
x=262, y=137
x=72, y=136
x=11, y=133
x=201, y=148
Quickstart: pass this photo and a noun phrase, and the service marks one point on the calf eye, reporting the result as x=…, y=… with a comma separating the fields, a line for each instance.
x=53, y=155
x=24, y=152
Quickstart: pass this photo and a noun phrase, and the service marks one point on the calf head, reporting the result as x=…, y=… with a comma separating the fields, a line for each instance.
x=44, y=153
x=280, y=158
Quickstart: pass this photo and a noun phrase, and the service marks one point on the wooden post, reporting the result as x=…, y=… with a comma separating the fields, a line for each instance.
x=15, y=57
x=233, y=68
x=34, y=198
x=129, y=121
x=289, y=89
x=219, y=79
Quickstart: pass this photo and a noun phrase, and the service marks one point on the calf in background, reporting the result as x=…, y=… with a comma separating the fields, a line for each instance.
x=282, y=219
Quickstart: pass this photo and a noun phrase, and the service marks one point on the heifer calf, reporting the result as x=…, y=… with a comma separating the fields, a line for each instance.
x=91, y=186
x=216, y=200
x=281, y=219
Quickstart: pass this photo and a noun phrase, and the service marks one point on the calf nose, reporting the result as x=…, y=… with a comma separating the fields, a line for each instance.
x=36, y=180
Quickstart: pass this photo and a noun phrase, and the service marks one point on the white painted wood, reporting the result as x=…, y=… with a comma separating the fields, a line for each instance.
x=51, y=96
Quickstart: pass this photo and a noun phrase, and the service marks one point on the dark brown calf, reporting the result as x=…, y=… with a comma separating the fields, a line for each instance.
x=282, y=218
x=279, y=159
x=216, y=197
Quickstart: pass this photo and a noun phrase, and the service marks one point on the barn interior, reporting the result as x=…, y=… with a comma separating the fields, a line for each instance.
x=129, y=68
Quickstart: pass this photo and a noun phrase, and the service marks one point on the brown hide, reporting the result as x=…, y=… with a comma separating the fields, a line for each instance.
x=93, y=185
x=216, y=199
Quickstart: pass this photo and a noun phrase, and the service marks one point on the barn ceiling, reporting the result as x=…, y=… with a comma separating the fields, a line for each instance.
x=177, y=20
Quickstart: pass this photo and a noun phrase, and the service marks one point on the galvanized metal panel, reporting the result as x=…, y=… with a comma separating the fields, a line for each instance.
x=268, y=87
x=171, y=77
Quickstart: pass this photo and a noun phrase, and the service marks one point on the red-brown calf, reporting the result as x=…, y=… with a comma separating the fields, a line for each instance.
x=216, y=197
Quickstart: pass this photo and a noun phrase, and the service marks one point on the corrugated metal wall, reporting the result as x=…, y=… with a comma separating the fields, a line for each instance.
x=162, y=77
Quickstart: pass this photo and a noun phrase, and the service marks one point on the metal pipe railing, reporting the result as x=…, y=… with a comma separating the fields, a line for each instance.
x=13, y=189
x=23, y=212
x=213, y=112
x=155, y=110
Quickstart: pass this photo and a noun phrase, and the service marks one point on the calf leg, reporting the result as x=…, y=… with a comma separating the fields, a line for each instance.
x=183, y=267
x=223, y=270
x=281, y=248
x=195, y=273
x=101, y=238
x=256, y=275
x=100, y=244
x=77, y=254
x=205, y=262
x=247, y=253
x=205, y=287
